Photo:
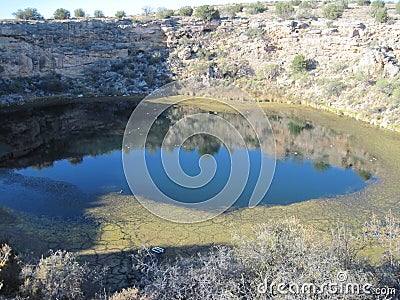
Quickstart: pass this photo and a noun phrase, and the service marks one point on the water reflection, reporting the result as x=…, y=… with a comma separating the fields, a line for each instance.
x=80, y=145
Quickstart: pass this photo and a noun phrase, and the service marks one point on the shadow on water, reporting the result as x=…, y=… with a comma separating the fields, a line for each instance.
x=37, y=139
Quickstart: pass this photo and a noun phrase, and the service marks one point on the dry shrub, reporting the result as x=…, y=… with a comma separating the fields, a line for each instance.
x=281, y=252
x=58, y=276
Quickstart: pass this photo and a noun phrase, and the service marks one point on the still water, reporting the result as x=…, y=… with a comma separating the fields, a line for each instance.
x=67, y=156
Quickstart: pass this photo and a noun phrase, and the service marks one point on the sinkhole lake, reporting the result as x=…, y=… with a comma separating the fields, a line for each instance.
x=66, y=156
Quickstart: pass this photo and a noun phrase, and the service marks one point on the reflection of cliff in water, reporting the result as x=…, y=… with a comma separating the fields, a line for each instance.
x=295, y=138
x=38, y=137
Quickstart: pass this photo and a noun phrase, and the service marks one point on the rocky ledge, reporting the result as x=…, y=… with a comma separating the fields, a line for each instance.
x=353, y=62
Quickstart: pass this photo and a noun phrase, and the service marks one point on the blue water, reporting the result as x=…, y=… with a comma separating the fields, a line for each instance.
x=294, y=181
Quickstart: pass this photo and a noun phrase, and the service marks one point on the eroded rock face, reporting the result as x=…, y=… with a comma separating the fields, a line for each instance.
x=46, y=134
x=89, y=58
x=80, y=57
x=69, y=48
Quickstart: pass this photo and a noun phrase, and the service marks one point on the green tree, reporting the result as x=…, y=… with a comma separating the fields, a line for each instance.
x=344, y=4
x=207, y=13
x=332, y=11
x=79, y=13
x=295, y=2
x=299, y=64
x=381, y=15
x=398, y=7
x=120, y=14
x=363, y=2
x=61, y=14
x=255, y=8
x=28, y=14
x=375, y=6
x=232, y=10
x=284, y=10
x=164, y=13
x=186, y=11
x=98, y=14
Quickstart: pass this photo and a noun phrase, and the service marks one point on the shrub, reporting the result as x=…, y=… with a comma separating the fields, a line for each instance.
x=255, y=8
x=28, y=14
x=164, y=13
x=305, y=13
x=98, y=14
x=386, y=233
x=58, y=276
x=305, y=10
x=120, y=14
x=375, y=6
x=306, y=4
x=79, y=13
x=332, y=11
x=12, y=86
x=344, y=4
x=363, y=2
x=277, y=253
x=61, y=14
x=270, y=71
x=237, y=7
x=186, y=11
x=295, y=2
x=233, y=10
x=334, y=88
x=284, y=10
x=126, y=294
x=230, y=12
x=207, y=13
x=396, y=95
x=381, y=15
x=9, y=270
x=398, y=7
x=384, y=86
x=52, y=83
x=5, y=253
x=299, y=64
x=254, y=33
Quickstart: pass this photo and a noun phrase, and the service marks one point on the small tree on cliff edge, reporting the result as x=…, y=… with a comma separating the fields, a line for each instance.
x=147, y=10
x=61, y=14
x=79, y=13
x=28, y=14
x=98, y=14
x=120, y=14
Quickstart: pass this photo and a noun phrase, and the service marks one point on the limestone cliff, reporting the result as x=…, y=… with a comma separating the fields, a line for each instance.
x=81, y=57
x=354, y=61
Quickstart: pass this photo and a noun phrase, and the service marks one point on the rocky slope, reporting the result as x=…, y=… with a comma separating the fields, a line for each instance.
x=354, y=60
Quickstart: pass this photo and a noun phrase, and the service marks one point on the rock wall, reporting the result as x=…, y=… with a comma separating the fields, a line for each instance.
x=70, y=47
x=354, y=61
x=80, y=58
